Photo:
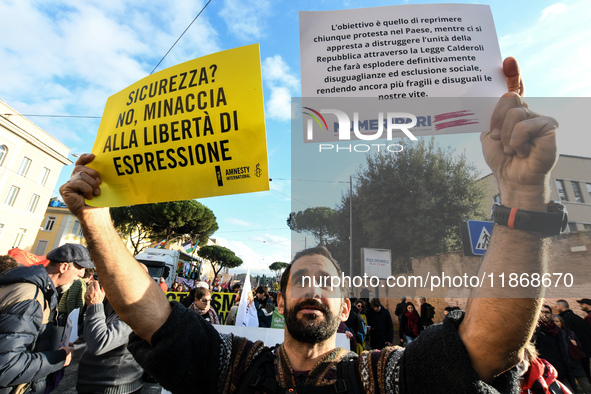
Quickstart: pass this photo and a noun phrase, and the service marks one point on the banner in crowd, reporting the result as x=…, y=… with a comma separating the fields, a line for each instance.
x=277, y=321
x=221, y=302
x=27, y=258
x=247, y=314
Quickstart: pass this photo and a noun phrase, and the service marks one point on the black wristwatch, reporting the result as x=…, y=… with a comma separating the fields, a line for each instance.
x=549, y=223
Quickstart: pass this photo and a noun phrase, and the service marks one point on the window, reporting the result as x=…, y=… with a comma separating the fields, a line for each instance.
x=3, y=152
x=572, y=227
x=77, y=230
x=577, y=191
x=44, y=176
x=589, y=188
x=561, y=190
x=49, y=223
x=19, y=237
x=33, y=203
x=41, y=247
x=587, y=227
x=11, y=196
x=24, y=167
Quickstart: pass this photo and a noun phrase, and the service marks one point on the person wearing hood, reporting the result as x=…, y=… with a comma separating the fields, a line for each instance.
x=28, y=300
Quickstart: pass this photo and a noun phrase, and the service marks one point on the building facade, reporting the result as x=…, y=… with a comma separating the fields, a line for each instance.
x=30, y=163
x=59, y=227
x=570, y=183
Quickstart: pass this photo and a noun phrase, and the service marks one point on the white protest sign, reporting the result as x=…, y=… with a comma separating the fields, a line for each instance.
x=71, y=330
x=377, y=262
x=404, y=51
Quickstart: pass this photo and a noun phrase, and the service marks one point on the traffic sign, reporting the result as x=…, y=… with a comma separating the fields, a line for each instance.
x=479, y=232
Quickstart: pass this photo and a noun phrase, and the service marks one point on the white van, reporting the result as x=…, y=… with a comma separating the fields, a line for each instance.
x=160, y=263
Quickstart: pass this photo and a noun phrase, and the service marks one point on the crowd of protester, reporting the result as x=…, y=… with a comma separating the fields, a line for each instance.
x=557, y=359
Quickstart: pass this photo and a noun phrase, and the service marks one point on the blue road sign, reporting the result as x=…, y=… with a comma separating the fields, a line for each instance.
x=480, y=232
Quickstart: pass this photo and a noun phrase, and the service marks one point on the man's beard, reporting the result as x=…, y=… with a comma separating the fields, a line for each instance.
x=309, y=329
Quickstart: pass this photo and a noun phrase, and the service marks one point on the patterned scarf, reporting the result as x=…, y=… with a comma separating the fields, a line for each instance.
x=551, y=327
x=324, y=372
x=213, y=317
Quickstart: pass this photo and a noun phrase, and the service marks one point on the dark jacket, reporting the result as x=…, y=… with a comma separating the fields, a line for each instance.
x=577, y=324
x=426, y=320
x=400, y=309
x=354, y=323
x=26, y=355
x=382, y=329
x=204, y=361
x=551, y=348
x=264, y=312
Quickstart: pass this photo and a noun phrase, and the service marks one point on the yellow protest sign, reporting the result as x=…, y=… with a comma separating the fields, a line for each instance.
x=193, y=130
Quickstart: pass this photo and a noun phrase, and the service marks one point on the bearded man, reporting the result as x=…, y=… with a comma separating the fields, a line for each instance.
x=474, y=353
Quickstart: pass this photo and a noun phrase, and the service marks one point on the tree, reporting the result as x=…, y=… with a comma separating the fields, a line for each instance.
x=219, y=258
x=278, y=268
x=410, y=203
x=188, y=219
x=128, y=224
x=318, y=221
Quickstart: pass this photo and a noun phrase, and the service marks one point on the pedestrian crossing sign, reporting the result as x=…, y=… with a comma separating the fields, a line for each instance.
x=480, y=232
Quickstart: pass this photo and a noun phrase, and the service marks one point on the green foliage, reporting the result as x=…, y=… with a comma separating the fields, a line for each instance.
x=278, y=266
x=188, y=219
x=126, y=221
x=318, y=221
x=219, y=257
x=410, y=203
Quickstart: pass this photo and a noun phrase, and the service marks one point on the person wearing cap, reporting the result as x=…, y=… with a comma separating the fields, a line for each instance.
x=585, y=305
x=203, y=284
x=28, y=299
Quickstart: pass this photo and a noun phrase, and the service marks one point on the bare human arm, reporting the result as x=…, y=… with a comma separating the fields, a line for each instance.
x=136, y=298
x=520, y=148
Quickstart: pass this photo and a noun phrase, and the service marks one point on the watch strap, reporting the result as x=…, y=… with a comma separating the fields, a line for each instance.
x=547, y=223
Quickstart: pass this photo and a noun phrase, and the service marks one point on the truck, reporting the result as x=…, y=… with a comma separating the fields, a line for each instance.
x=160, y=263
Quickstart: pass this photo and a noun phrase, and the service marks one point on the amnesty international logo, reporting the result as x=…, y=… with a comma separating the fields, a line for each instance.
x=258, y=171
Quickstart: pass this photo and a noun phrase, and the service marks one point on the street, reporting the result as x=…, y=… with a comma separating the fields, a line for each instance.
x=68, y=383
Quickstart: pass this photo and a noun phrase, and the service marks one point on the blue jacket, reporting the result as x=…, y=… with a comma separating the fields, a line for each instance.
x=25, y=340
x=265, y=317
